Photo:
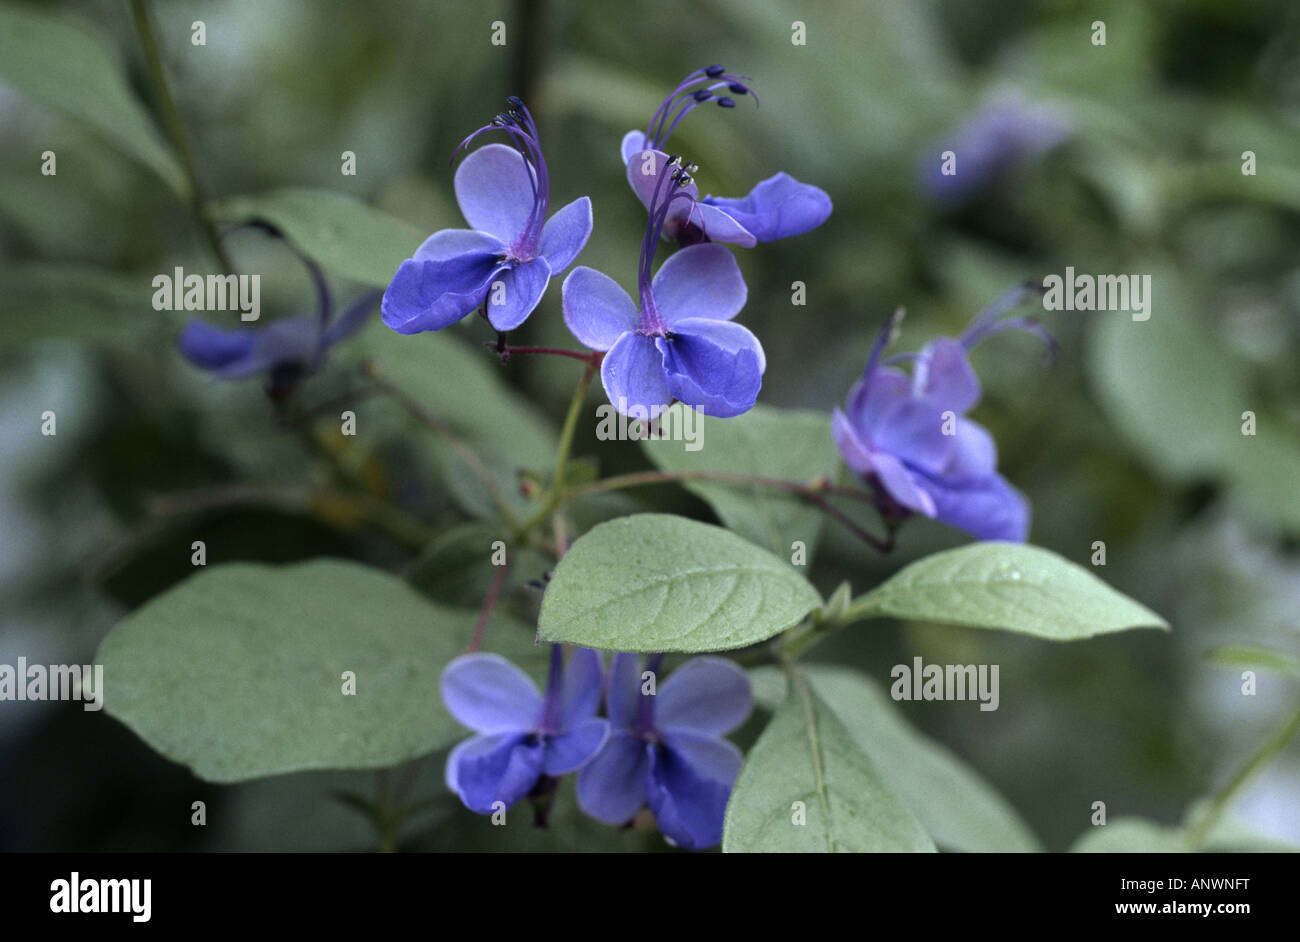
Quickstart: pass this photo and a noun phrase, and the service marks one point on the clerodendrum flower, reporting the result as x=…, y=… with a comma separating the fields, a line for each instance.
x=910, y=437
x=285, y=350
x=522, y=735
x=509, y=256
x=666, y=750
x=778, y=207
x=680, y=342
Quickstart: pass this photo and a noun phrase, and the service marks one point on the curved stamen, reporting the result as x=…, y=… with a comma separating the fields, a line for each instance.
x=693, y=91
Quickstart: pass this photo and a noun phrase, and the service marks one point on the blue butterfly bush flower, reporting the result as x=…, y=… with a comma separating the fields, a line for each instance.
x=522, y=735
x=285, y=350
x=680, y=341
x=512, y=250
x=778, y=207
x=1004, y=134
x=667, y=751
x=892, y=433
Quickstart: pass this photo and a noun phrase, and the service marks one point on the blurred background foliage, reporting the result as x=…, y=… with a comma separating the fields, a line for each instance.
x=1131, y=437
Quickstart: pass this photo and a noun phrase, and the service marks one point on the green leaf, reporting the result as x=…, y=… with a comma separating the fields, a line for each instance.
x=237, y=672
x=657, y=582
x=1011, y=586
x=1244, y=655
x=958, y=808
x=773, y=443
x=806, y=756
x=70, y=70
x=1131, y=836
x=343, y=234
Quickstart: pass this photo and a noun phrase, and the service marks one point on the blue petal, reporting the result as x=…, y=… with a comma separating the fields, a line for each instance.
x=713, y=223
x=486, y=769
x=907, y=487
x=701, y=281
x=494, y=187
x=633, y=143
x=709, y=695
x=778, y=207
x=633, y=376
x=872, y=396
x=211, y=347
x=575, y=747
x=596, y=310
x=974, y=453
x=433, y=294
x=611, y=787
x=516, y=292
x=565, y=234
x=687, y=788
x=490, y=695
x=583, y=681
x=855, y=452
x=715, y=366
x=987, y=508
x=913, y=431
x=943, y=374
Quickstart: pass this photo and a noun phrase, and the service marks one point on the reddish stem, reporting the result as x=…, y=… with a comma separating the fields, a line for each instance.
x=489, y=603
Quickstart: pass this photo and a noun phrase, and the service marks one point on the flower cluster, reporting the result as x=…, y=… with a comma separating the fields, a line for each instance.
x=660, y=748
x=909, y=437
x=677, y=341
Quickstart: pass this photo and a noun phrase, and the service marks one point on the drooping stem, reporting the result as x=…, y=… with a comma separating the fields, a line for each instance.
x=505, y=351
x=1265, y=754
x=176, y=130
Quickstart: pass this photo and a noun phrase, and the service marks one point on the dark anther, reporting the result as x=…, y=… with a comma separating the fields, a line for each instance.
x=714, y=71
x=702, y=95
x=515, y=101
x=674, y=160
x=738, y=89
x=726, y=103
x=691, y=168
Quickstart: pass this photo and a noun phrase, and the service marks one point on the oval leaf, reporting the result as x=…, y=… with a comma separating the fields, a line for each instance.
x=1010, y=586
x=343, y=234
x=238, y=672
x=807, y=787
x=657, y=582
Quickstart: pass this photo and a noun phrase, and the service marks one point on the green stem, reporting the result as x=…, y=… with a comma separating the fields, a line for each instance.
x=1265, y=754
x=176, y=130
x=566, y=433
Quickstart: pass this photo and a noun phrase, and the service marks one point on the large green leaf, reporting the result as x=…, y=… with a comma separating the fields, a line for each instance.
x=343, y=234
x=958, y=808
x=1011, y=586
x=237, y=672
x=1131, y=836
x=68, y=69
x=774, y=443
x=657, y=582
x=807, y=764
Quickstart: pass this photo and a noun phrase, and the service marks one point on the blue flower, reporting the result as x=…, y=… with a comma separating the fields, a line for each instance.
x=1002, y=135
x=509, y=256
x=667, y=751
x=680, y=342
x=285, y=350
x=522, y=735
x=778, y=207
x=909, y=436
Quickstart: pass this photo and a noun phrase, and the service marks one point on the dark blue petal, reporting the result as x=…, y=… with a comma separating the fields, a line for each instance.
x=486, y=769
x=623, y=690
x=431, y=295
x=515, y=293
x=583, y=686
x=687, y=788
x=988, y=508
x=715, y=366
x=211, y=347
x=778, y=207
